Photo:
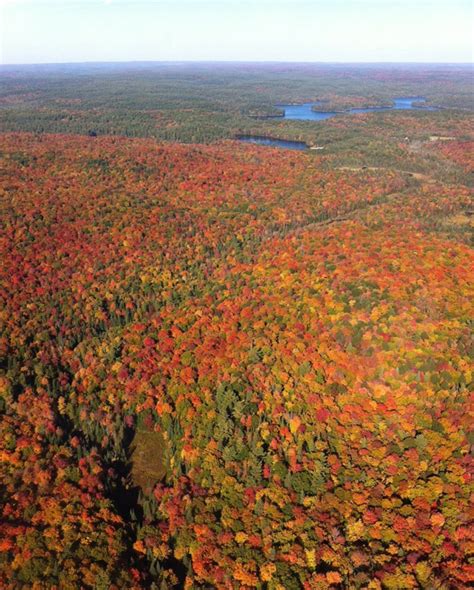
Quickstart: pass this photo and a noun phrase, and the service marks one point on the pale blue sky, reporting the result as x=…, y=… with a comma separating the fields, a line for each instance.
x=45, y=31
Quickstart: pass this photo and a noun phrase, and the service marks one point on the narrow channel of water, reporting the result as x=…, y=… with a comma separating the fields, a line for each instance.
x=273, y=142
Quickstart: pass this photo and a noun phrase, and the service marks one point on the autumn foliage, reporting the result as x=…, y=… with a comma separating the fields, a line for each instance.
x=301, y=338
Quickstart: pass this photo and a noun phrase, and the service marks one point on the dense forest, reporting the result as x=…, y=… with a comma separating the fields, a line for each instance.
x=230, y=366
x=206, y=102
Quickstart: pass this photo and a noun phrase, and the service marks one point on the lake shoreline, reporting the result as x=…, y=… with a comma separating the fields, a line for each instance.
x=314, y=111
x=270, y=141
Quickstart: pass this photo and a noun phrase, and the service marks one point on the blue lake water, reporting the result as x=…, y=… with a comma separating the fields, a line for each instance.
x=305, y=112
x=274, y=142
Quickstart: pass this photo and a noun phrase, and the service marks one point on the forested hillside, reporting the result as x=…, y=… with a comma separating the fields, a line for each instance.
x=229, y=366
x=208, y=102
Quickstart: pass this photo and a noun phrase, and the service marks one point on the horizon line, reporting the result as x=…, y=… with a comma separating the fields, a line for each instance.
x=237, y=61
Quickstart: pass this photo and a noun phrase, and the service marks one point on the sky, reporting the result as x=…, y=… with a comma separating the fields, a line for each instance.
x=61, y=31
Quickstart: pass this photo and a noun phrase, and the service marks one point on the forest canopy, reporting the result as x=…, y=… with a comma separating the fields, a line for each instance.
x=231, y=366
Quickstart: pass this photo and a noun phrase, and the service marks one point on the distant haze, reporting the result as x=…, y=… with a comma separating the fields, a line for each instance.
x=52, y=31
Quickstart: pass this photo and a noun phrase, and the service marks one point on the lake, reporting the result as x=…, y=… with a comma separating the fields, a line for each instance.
x=305, y=112
x=272, y=141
